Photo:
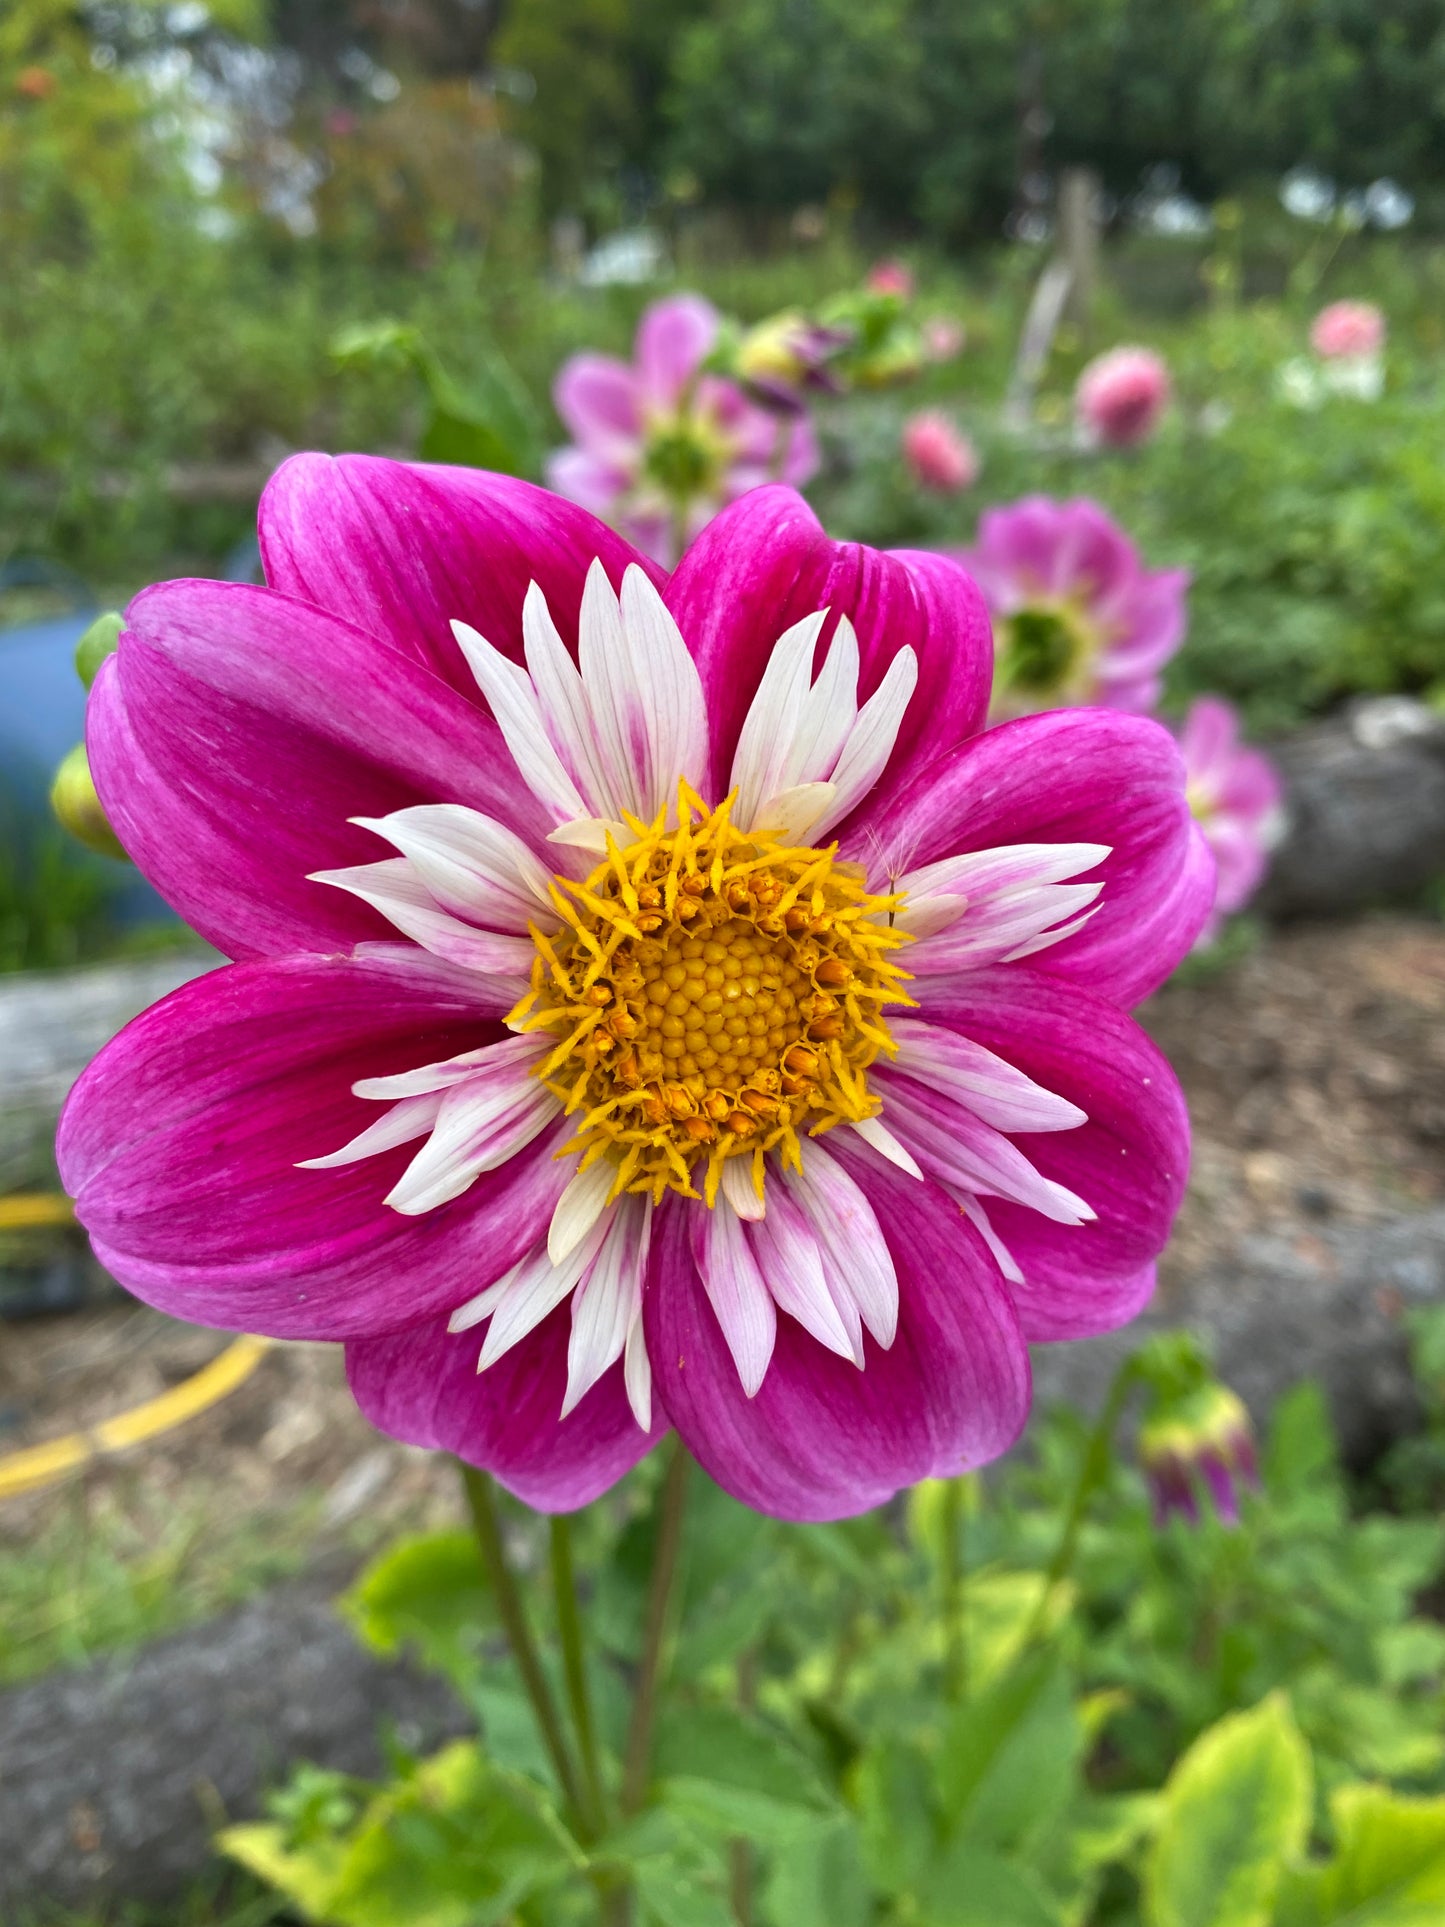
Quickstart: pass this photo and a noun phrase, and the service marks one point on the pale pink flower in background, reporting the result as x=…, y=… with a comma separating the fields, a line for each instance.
x=939, y=456
x=1348, y=329
x=656, y=1001
x=890, y=277
x=1121, y=396
x=944, y=338
x=1077, y=618
x=658, y=446
x=1235, y=795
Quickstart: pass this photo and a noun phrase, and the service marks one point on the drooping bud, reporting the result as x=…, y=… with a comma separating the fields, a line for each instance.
x=77, y=807
x=1196, y=1435
x=98, y=642
x=783, y=357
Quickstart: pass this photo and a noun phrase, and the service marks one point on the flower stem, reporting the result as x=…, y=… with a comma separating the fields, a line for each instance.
x=569, y=1629
x=1093, y=1470
x=654, y=1632
x=955, y=1632
x=740, y=1853
x=485, y=1523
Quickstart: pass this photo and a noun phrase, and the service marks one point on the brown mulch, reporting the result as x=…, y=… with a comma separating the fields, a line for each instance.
x=1315, y=1070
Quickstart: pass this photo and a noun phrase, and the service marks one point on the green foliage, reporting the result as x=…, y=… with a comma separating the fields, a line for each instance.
x=430, y=1596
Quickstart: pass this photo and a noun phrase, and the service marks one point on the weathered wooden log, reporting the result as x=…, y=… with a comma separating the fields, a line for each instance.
x=1365, y=810
x=113, y=1780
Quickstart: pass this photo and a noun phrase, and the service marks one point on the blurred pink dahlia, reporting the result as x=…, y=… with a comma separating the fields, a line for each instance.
x=733, y=1038
x=659, y=446
x=1121, y=396
x=938, y=455
x=1077, y=618
x=1236, y=795
x=1348, y=329
x=890, y=277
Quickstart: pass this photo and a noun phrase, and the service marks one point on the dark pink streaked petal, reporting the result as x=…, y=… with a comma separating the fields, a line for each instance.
x=422, y=1385
x=235, y=731
x=822, y=1439
x=180, y=1144
x=765, y=563
x=1130, y=1161
x=402, y=550
x=1068, y=776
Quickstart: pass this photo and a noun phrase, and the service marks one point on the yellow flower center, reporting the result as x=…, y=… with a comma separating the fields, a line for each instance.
x=713, y=993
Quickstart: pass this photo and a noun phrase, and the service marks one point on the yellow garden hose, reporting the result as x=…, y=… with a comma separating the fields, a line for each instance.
x=43, y=1464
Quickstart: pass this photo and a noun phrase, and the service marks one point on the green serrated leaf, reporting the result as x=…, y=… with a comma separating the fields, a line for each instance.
x=429, y=1594
x=1235, y=1811
x=1388, y=1870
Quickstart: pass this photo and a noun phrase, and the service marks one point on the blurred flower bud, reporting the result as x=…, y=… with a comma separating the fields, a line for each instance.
x=1121, y=397
x=787, y=354
x=98, y=642
x=890, y=277
x=77, y=807
x=939, y=456
x=1196, y=1433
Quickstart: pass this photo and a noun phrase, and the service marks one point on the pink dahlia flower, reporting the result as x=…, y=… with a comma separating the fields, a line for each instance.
x=658, y=446
x=1348, y=329
x=1121, y=396
x=654, y=1003
x=1077, y=618
x=890, y=277
x=938, y=455
x=1236, y=795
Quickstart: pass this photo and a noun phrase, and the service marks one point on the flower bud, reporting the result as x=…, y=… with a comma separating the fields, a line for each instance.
x=1204, y=1437
x=786, y=355
x=77, y=807
x=98, y=642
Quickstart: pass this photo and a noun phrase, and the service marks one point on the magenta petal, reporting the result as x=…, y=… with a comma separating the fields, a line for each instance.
x=822, y=1439
x=596, y=396
x=402, y=550
x=674, y=338
x=1130, y=1161
x=764, y=563
x=235, y=731
x=422, y=1385
x=180, y=1144
x=1069, y=776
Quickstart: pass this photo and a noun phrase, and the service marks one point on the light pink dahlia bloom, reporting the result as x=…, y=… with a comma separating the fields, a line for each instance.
x=1121, y=396
x=658, y=446
x=1077, y=618
x=655, y=1003
x=1348, y=329
x=890, y=277
x=1236, y=796
x=938, y=455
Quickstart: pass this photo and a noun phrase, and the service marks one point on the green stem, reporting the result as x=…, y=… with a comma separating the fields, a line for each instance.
x=1093, y=1471
x=955, y=1641
x=574, y=1662
x=740, y=1853
x=654, y=1632
x=487, y=1525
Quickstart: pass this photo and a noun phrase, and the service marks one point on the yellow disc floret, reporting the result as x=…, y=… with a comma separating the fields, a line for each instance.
x=713, y=993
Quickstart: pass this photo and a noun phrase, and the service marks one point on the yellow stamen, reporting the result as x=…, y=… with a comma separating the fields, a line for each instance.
x=704, y=993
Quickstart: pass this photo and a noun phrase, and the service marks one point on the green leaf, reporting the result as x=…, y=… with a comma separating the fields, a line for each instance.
x=898, y=1830
x=429, y=1594
x=460, y=1844
x=819, y=1881
x=728, y=1773
x=1300, y=1451
x=1388, y=1871
x=971, y=1886
x=306, y=1875
x=1009, y=1760
x=98, y=642
x=1236, y=1809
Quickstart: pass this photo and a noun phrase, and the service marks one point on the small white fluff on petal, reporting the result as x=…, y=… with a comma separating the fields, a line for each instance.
x=413, y=1117
x=734, y=1284
x=607, y=1302
x=579, y=1208
x=736, y=1183
x=875, y=1132
x=854, y=1250
x=513, y=701
x=474, y=867
x=870, y=741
